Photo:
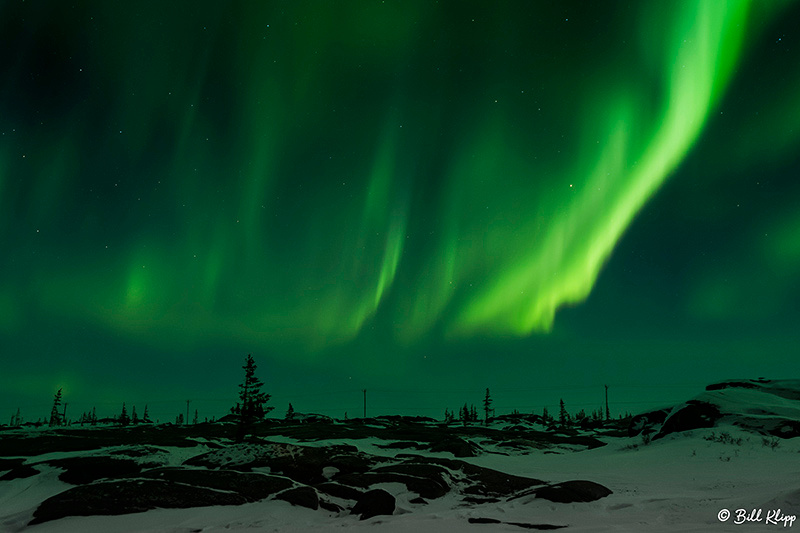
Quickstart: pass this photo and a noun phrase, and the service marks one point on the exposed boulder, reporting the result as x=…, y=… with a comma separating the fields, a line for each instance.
x=455, y=445
x=303, y=464
x=302, y=496
x=330, y=506
x=19, y=472
x=339, y=491
x=82, y=470
x=647, y=422
x=252, y=486
x=427, y=488
x=373, y=503
x=129, y=496
x=476, y=479
x=572, y=491
x=8, y=464
x=694, y=414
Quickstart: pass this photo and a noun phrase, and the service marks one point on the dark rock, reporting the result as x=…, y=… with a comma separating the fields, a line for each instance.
x=401, y=445
x=787, y=429
x=330, y=506
x=339, y=491
x=303, y=464
x=649, y=422
x=129, y=496
x=480, y=481
x=481, y=520
x=573, y=491
x=695, y=414
x=488, y=482
x=741, y=384
x=419, y=501
x=19, y=472
x=476, y=500
x=373, y=503
x=526, y=525
x=82, y=470
x=455, y=445
x=302, y=496
x=432, y=478
x=252, y=486
x=427, y=488
x=8, y=464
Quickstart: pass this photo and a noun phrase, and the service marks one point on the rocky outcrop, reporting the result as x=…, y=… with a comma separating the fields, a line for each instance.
x=251, y=486
x=573, y=491
x=82, y=470
x=129, y=496
x=302, y=496
x=373, y=503
x=19, y=472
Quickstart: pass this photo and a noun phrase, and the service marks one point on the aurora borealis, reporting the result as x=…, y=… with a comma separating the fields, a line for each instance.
x=407, y=197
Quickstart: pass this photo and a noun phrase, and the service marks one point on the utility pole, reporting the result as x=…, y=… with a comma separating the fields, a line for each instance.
x=187, y=411
x=608, y=413
x=365, y=403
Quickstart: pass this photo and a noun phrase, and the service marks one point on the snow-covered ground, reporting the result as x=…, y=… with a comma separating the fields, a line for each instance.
x=685, y=481
x=679, y=483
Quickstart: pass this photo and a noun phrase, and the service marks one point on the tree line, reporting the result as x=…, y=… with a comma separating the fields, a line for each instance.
x=252, y=408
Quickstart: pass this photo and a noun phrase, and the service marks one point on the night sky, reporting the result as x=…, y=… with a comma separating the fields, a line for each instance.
x=419, y=198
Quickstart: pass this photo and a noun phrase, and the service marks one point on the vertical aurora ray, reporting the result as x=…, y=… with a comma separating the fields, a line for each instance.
x=559, y=264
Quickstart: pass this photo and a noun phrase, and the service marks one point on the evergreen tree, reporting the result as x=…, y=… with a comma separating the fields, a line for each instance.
x=563, y=416
x=179, y=419
x=146, y=416
x=545, y=416
x=473, y=413
x=94, y=417
x=290, y=413
x=487, y=406
x=55, y=415
x=134, y=416
x=252, y=399
x=124, y=419
x=195, y=417
x=449, y=416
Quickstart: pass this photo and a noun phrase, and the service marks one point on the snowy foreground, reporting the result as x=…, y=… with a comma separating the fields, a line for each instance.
x=681, y=481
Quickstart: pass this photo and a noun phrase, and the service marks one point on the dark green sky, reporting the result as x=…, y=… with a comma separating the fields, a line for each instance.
x=408, y=197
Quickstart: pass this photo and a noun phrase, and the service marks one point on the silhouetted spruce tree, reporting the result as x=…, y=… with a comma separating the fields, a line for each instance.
x=134, y=416
x=487, y=406
x=179, y=419
x=146, y=416
x=563, y=416
x=195, y=417
x=94, y=417
x=449, y=416
x=252, y=399
x=473, y=413
x=124, y=419
x=290, y=413
x=55, y=415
